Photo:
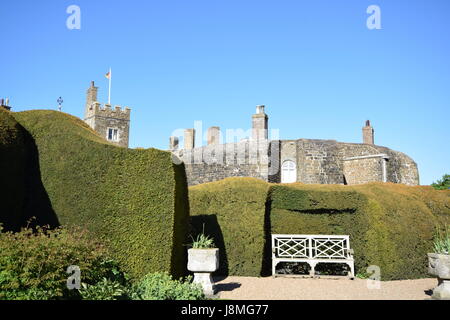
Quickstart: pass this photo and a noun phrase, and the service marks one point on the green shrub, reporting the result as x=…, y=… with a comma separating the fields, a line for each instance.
x=134, y=201
x=105, y=289
x=233, y=213
x=443, y=184
x=33, y=264
x=202, y=241
x=441, y=241
x=161, y=286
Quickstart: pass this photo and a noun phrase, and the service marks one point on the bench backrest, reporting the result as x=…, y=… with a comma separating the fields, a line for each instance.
x=302, y=246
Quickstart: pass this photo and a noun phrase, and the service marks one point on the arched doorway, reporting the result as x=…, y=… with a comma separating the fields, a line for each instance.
x=288, y=172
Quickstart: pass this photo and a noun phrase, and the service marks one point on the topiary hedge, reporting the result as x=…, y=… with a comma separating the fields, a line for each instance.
x=232, y=212
x=390, y=225
x=135, y=201
x=12, y=173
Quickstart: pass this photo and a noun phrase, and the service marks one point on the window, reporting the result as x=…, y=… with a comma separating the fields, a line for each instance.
x=288, y=172
x=113, y=134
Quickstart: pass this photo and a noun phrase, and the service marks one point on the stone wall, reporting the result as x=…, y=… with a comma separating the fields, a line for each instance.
x=359, y=171
x=242, y=159
x=400, y=168
x=317, y=161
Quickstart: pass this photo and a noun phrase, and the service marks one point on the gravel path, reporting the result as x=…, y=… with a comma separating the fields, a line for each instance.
x=249, y=288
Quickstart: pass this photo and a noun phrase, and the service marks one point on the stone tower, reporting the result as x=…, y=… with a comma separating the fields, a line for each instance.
x=112, y=124
x=368, y=133
x=260, y=122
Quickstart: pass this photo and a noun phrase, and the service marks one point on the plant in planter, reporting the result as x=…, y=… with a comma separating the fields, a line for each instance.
x=203, y=259
x=439, y=263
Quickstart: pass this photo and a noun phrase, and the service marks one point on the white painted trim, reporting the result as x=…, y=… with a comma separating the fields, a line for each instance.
x=118, y=134
x=384, y=170
x=381, y=155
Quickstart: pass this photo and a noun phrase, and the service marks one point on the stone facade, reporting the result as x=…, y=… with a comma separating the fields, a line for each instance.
x=220, y=161
x=111, y=123
x=315, y=161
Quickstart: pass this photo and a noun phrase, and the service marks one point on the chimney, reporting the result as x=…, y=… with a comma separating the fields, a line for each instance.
x=213, y=136
x=189, y=139
x=4, y=104
x=173, y=143
x=368, y=133
x=91, y=96
x=260, y=122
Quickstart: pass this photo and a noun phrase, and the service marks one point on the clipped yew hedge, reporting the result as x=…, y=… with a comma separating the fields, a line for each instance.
x=134, y=201
x=233, y=212
x=12, y=173
x=390, y=225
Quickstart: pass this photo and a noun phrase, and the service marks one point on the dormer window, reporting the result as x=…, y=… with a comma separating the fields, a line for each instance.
x=113, y=134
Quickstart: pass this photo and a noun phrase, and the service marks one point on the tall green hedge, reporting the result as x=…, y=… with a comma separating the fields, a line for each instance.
x=390, y=225
x=12, y=173
x=135, y=201
x=233, y=212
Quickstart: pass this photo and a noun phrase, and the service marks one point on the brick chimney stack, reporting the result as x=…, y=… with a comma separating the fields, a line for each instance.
x=368, y=133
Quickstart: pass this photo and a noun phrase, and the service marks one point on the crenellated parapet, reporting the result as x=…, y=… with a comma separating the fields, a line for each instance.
x=106, y=110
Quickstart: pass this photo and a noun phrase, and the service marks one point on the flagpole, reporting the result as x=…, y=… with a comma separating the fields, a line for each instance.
x=109, y=91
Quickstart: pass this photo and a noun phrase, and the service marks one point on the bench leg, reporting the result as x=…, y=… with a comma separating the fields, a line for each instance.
x=352, y=271
x=274, y=268
x=312, y=272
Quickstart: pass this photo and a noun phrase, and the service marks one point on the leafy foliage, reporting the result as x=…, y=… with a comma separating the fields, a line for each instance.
x=33, y=264
x=443, y=184
x=134, y=201
x=441, y=241
x=161, y=286
x=105, y=289
x=202, y=241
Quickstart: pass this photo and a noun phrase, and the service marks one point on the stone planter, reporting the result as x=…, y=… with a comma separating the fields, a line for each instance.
x=203, y=262
x=439, y=266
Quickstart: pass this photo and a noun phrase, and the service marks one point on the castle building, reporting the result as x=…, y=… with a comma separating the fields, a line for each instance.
x=308, y=161
x=111, y=123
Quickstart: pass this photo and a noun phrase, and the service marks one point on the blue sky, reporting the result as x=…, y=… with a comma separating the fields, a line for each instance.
x=314, y=64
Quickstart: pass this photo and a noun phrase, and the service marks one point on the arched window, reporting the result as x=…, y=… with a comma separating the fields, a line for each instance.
x=288, y=172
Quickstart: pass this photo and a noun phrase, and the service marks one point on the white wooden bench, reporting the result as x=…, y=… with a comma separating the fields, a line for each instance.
x=312, y=249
